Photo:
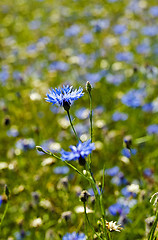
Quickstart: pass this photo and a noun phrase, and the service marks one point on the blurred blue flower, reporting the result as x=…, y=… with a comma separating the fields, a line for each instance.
x=124, y=56
x=4, y=75
x=91, y=192
x=117, y=116
x=35, y=24
x=115, y=79
x=100, y=24
x=99, y=109
x=87, y=38
x=59, y=66
x=32, y=48
x=134, y=98
x=119, y=29
x=148, y=172
x=119, y=179
x=118, y=208
x=112, y=1
x=152, y=129
x=95, y=77
x=13, y=132
x=74, y=236
x=126, y=193
x=25, y=144
x=82, y=113
x=127, y=153
x=154, y=11
x=61, y=170
x=79, y=152
x=72, y=31
x=148, y=107
x=124, y=40
x=150, y=30
x=143, y=48
x=112, y=171
x=82, y=128
x=64, y=96
x=1, y=200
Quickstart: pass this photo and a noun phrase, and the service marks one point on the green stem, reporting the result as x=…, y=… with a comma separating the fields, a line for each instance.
x=72, y=126
x=90, y=223
x=5, y=211
x=91, y=123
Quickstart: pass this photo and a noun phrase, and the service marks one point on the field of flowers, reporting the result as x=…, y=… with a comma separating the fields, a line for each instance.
x=79, y=119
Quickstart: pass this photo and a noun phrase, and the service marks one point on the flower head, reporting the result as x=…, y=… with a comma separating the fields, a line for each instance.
x=74, y=236
x=78, y=152
x=64, y=96
x=112, y=226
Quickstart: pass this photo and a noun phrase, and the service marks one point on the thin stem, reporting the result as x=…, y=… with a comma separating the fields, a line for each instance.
x=90, y=223
x=91, y=123
x=73, y=167
x=72, y=126
x=5, y=211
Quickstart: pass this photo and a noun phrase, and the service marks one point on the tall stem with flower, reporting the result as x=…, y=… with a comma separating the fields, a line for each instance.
x=64, y=97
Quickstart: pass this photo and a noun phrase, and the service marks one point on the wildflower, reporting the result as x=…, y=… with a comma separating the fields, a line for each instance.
x=124, y=56
x=154, y=11
x=64, y=96
x=119, y=29
x=78, y=152
x=84, y=196
x=152, y=129
x=36, y=222
x=112, y=226
x=73, y=30
x=134, y=98
x=117, y=116
x=66, y=215
x=74, y=236
x=112, y=171
x=25, y=144
x=61, y=170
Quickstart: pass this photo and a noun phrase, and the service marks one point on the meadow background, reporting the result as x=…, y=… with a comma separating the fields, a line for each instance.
x=113, y=44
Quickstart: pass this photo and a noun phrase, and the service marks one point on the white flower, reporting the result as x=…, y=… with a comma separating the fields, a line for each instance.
x=112, y=226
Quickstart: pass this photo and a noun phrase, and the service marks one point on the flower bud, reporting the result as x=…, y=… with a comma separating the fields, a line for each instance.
x=84, y=196
x=88, y=87
x=40, y=149
x=6, y=190
x=128, y=141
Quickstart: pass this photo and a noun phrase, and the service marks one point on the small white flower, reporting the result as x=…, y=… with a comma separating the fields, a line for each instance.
x=112, y=226
x=134, y=188
x=36, y=222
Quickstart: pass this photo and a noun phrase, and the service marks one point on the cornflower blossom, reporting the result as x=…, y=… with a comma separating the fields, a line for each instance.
x=74, y=236
x=64, y=96
x=152, y=129
x=134, y=98
x=78, y=152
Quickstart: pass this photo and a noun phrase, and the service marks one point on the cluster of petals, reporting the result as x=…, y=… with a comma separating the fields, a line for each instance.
x=112, y=226
x=64, y=94
x=81, y=150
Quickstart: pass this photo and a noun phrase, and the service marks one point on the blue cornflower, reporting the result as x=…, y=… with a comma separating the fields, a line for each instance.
x=64, y=96
x=152, y=129
x=154, y=11
x=78, y=152
x=134, y=98
x=74, y=236
x=127, y=153
x=61, y=170
x=112, y=171
x=117, y=116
